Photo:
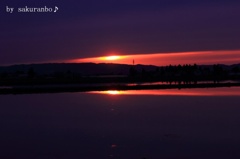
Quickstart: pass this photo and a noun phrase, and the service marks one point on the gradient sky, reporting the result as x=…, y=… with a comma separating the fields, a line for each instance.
x=163, y=59
x=92, y=28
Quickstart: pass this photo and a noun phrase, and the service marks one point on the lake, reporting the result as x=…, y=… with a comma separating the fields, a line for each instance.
x=147, y=124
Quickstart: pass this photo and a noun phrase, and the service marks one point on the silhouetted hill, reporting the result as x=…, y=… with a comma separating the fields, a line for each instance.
x=60, y=77
x=84, y=69
x=66, y=73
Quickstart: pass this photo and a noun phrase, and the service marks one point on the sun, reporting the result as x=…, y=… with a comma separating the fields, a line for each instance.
x=111, y=58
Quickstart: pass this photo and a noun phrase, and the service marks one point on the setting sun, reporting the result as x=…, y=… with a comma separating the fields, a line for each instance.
x=111, y=58
x=163, y=59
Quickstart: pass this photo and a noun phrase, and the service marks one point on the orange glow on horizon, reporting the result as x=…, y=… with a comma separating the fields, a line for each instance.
x=163, y=59
x=110, y=58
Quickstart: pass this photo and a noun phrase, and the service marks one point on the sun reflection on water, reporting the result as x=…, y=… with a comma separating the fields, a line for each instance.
x=223, y=91
x=112, y=92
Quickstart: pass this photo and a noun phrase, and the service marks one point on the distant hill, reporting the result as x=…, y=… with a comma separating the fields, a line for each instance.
x=70, y=73
x=89, y=68
x=84, y=69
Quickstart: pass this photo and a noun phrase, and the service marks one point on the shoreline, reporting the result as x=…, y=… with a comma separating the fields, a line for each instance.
x=36, y=89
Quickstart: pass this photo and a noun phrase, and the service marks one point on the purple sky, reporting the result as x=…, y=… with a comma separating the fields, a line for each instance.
x=91, y=28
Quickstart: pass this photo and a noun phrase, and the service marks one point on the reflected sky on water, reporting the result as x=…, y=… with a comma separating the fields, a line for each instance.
x=90, y=125
x=220, y=91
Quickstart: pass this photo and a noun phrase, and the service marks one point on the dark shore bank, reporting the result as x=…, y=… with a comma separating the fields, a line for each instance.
x=69, y=77
x=85, y=88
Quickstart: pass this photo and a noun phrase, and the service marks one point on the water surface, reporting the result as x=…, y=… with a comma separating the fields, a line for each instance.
x=93, y=125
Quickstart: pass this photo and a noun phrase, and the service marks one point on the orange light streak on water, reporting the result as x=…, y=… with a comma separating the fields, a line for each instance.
x=223, y=91
x=113, y=92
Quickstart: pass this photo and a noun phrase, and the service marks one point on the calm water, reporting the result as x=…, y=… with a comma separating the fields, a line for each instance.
x=187, y=124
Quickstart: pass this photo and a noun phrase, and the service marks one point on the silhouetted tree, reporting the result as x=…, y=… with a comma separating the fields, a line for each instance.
x=31, y=73
x=235, y=69
x=132, y=71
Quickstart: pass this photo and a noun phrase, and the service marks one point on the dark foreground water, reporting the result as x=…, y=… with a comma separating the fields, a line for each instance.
x=122, y=125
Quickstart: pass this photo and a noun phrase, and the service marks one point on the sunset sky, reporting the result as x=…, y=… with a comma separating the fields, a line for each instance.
x=154, y=31
x=162, y=59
